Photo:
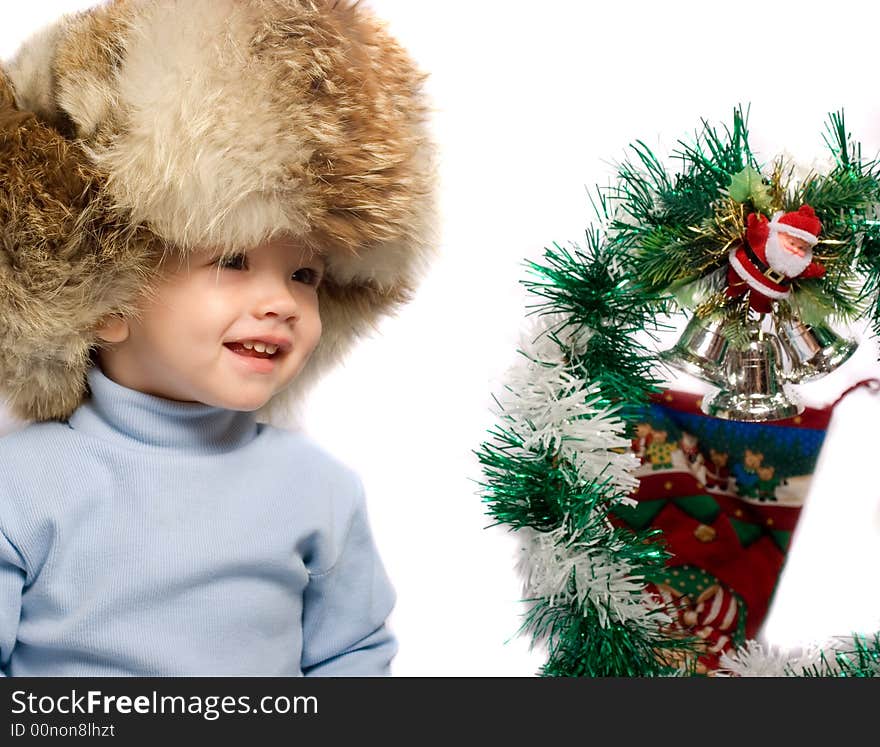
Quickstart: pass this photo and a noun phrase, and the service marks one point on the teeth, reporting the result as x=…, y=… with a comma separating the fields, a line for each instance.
x=260, y=347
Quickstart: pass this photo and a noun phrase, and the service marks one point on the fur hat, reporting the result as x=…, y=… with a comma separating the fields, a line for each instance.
x=141, y=125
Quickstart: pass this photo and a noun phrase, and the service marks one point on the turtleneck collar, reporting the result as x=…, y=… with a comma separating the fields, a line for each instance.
x=133, y=418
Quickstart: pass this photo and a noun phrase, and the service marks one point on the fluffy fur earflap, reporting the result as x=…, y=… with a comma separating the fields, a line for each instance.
x=144, y=124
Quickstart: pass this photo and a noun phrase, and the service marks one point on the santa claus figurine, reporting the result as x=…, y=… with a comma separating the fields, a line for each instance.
x=774, y=253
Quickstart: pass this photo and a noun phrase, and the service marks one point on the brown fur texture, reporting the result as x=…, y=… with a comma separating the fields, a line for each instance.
x=144, y=125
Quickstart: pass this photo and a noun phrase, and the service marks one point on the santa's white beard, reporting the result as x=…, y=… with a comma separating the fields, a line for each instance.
x=784, y=261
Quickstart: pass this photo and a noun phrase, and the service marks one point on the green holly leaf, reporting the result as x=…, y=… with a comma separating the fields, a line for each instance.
x=748, y=186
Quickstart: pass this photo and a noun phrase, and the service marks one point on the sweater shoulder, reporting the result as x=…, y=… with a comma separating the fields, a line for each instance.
x=31, y=446
x=328, y=494
x=31, y=469
x=306, y=459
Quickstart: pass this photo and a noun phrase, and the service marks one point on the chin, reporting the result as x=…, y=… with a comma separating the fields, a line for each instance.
x=247, y=406
x=240, y=401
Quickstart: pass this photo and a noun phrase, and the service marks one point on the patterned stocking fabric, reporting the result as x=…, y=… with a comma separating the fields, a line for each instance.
x=727, y=496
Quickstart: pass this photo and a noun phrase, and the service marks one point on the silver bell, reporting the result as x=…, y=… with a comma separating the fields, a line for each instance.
x=755, y=391
x=700, y=351
x=813, y=350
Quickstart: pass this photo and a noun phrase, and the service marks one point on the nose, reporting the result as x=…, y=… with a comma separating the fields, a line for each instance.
x=275, y=297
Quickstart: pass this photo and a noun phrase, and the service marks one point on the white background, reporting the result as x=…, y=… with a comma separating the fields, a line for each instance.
x=533, y=104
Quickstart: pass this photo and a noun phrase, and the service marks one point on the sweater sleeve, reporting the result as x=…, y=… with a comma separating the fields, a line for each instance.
x=345, y=609
x=12, y=580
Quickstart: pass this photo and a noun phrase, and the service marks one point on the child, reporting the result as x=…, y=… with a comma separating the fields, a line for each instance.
x=186, y=184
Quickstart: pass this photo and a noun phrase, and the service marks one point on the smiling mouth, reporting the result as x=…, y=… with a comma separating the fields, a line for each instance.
x=237, y=347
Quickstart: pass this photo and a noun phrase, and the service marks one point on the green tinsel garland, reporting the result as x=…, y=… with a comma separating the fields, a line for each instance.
x=663, y=245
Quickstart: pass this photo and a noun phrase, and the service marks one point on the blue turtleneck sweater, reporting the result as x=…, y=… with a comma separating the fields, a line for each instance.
x=149, y=537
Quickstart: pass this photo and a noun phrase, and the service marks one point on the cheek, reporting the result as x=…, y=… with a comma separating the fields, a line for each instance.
x=184, y=321
x=315, y=330
x=310, y=320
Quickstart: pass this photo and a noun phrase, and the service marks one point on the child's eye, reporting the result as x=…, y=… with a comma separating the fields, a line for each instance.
x=233, y=262
x=307, y=275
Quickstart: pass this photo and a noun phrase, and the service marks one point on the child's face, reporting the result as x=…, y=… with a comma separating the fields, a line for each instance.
x=179, y=346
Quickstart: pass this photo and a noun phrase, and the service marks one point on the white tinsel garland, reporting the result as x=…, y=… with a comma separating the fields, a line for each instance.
x=754, y=659
x=551, y=408
x=559, y=569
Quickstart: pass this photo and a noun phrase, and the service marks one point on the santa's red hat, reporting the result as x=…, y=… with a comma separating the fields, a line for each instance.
x=802, y=224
